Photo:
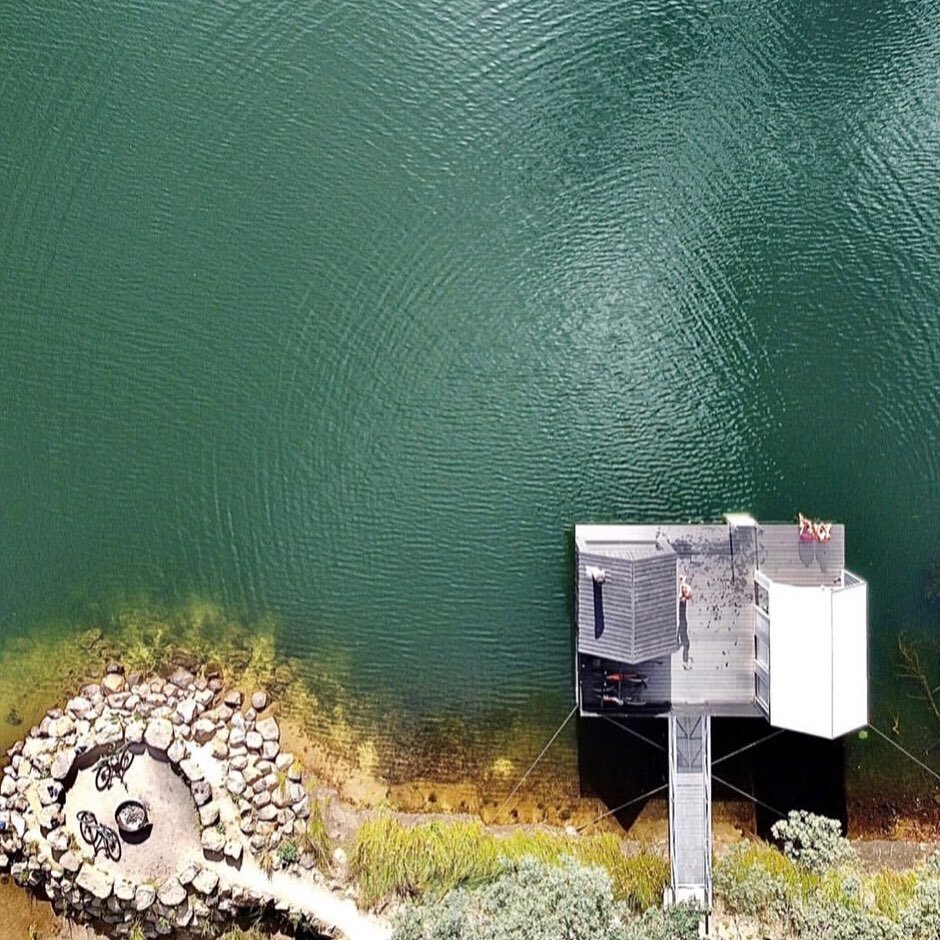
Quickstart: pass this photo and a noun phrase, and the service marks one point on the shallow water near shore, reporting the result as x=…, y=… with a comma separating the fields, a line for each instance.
x=338, y=318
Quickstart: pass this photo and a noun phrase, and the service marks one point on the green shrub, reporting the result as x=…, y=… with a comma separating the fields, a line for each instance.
x=931, y=868
x=680, y=922
x=921, y=918
x=288, y=853
x=813, y=842
x=529, y=900
x=759, y=881
x=821, y=920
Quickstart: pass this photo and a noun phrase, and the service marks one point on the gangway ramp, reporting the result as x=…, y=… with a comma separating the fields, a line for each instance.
x=690, y=808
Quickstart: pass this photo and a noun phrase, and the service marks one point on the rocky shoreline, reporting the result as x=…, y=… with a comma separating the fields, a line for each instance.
x=249, y=802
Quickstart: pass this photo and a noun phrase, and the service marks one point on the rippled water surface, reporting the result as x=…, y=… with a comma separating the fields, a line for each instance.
x=346, y=311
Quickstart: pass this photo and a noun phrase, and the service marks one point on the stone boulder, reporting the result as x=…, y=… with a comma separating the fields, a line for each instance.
x=62, y=726
x=186, y=710
x=203, y=730
x=71, y=862
x=182, y=678
x=159, y=734
x=58, y=840
x=171, y=893
x=96, y=882
x=144, y=896
x=124, y=890
x=213, y=841
x=49, y=792
x=206, y=881
x=258, y=700
x=235, y=783
x=79, y=706
x=209, y=814
x=113, y=682
x=108, y=731
x=269, y=750
x=176, y=752
x=62, y=764
x=233, y=852
x=191, y=769
x=202, y=792
x=268, y=729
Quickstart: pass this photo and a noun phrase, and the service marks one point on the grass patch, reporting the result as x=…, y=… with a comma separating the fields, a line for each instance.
x=316, y=840
x=390, y=859
x=892, y=891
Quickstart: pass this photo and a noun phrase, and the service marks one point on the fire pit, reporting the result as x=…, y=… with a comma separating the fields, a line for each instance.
x=132, y=820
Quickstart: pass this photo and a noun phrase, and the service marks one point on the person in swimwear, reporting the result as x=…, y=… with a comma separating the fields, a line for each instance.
x=807, y=529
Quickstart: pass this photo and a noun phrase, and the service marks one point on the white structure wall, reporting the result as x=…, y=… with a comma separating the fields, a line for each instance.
x=801, y=659
x=849, y=659
x=818, y=658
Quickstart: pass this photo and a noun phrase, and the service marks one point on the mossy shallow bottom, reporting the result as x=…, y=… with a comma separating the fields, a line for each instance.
x=363, y=746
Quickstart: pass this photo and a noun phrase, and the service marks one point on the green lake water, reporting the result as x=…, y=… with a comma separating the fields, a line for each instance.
x=343, y=313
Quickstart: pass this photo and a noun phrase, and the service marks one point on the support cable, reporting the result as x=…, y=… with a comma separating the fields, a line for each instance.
x=746, y=747
x=635, y=734
x=749, y=796
x=617, y=809
x=919, y=763
x=551, y=741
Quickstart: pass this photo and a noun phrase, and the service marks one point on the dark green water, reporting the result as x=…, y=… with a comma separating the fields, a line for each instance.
x=346, y=312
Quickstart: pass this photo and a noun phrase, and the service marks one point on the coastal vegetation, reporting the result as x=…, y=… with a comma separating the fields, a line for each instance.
x=393, y=860
x=814, y=886
x=532, y=900
x=792, y=893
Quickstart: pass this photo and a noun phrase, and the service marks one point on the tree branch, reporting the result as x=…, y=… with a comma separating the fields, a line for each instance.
x=912, y=668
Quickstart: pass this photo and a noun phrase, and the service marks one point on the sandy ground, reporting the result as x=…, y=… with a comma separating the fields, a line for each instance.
x=174, y=839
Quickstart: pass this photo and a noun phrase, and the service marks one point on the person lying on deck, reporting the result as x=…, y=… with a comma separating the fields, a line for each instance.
x=823, y=531
x=814, y=531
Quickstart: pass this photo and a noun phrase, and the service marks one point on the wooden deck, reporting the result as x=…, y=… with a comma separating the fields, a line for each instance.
x=713, y=669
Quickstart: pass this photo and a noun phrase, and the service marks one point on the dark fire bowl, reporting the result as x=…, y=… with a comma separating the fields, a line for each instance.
x=132, y=821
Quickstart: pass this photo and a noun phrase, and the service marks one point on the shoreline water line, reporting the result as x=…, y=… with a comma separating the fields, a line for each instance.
x=376, y=754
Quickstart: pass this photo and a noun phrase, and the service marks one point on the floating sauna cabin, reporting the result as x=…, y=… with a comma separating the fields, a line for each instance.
x=737, y=619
